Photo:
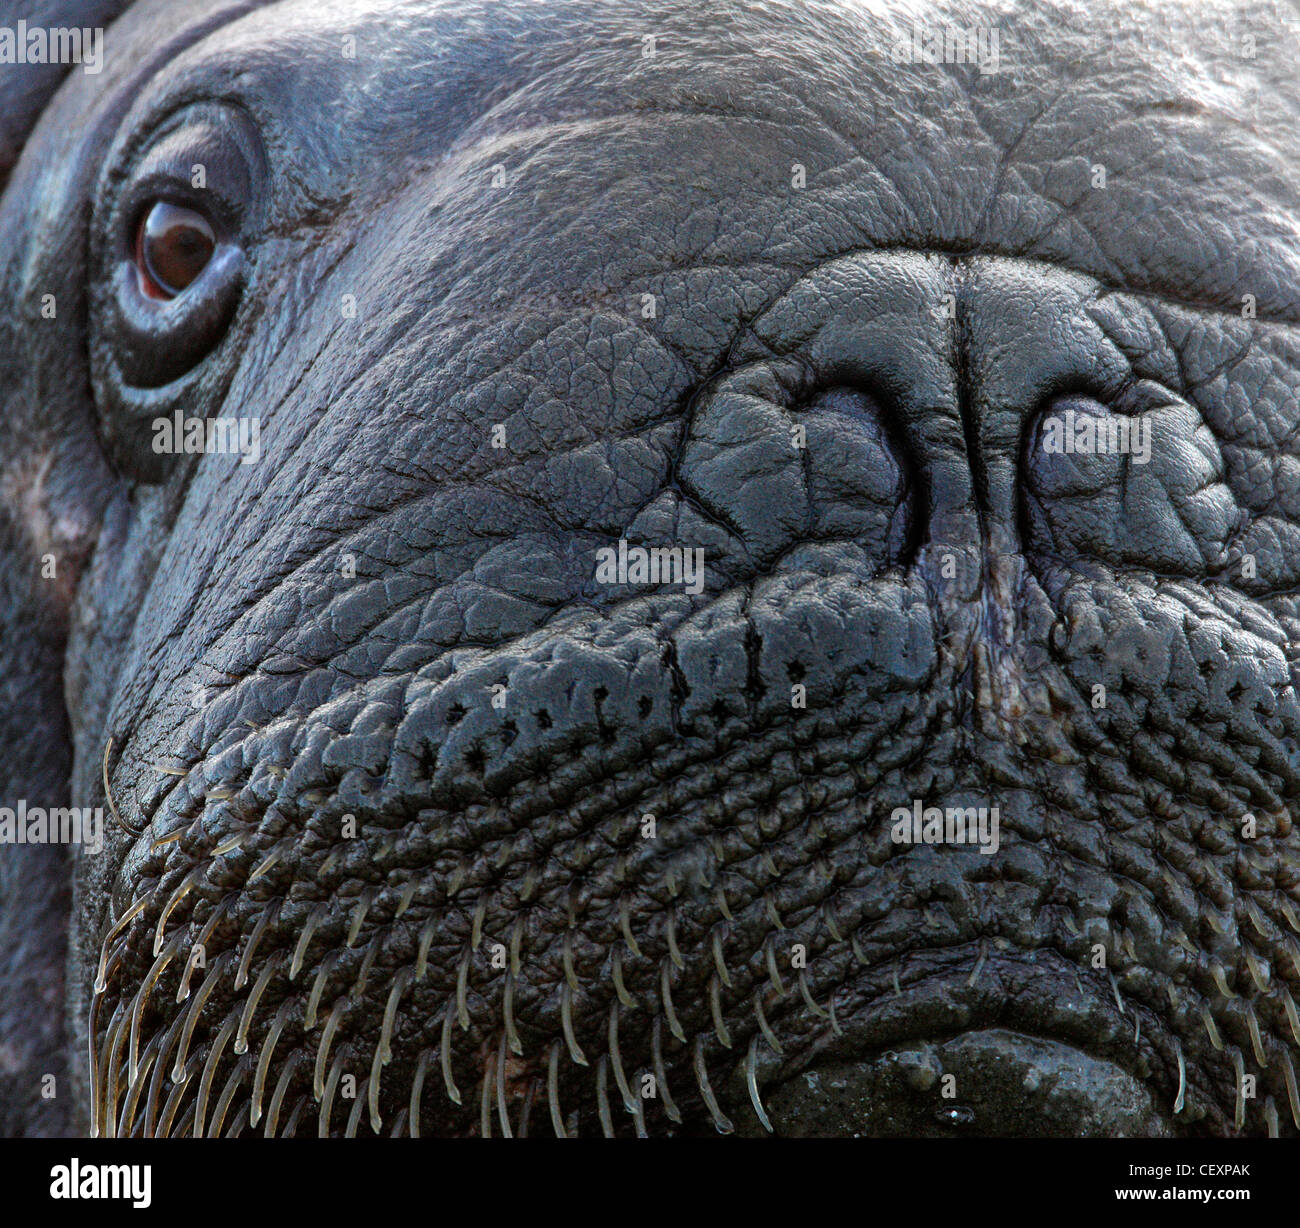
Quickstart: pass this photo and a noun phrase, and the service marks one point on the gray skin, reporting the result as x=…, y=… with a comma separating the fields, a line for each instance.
x=295, y=661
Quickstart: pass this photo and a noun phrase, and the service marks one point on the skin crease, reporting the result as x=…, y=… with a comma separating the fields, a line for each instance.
x=448, y=913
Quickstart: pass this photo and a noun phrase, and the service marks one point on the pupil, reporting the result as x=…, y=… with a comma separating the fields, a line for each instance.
x=176, y=243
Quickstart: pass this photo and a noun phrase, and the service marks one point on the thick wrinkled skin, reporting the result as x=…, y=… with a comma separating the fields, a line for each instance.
x=381, y=740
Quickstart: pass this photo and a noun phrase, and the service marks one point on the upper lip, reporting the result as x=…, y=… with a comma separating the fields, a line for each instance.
x=976, y=980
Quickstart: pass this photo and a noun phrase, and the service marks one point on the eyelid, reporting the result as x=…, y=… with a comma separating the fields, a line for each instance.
x=206, y=162
x=159, y=339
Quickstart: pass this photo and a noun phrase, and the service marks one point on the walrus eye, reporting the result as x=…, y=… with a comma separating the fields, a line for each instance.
x=172, y=237
x=172, y=247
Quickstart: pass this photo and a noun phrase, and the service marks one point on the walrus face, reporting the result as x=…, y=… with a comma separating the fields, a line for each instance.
x=441, y=812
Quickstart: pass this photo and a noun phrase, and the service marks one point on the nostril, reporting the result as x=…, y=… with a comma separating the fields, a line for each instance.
x=781, y=458
x=858, y=475
x=1139, y=485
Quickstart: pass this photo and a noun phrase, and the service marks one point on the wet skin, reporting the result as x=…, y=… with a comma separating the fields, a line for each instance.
x=383, y=741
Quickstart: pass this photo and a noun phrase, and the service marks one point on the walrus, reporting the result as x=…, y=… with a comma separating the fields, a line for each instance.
x=649, y=569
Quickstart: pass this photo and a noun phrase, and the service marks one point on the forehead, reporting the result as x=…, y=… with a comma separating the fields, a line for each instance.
x=1147, y=147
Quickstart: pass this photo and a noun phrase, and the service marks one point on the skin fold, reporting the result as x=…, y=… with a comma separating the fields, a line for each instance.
x=429, y=825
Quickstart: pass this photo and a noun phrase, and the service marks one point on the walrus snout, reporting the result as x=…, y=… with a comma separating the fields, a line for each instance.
x=653, y=569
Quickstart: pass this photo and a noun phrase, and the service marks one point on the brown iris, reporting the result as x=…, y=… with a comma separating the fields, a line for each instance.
x=172, y=247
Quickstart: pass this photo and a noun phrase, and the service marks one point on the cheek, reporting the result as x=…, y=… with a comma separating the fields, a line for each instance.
x=59, y=537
